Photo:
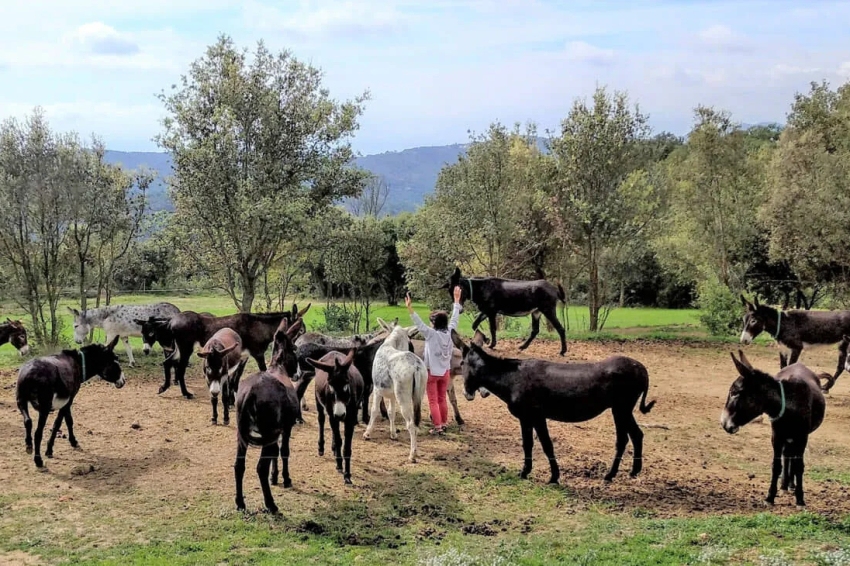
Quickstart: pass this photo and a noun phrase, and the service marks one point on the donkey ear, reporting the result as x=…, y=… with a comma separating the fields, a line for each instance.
x=745, y=302
x=412, y=331
x=743, y=370
x=202, y=353
x=327, y=368
x=744, y=360
x=349, y=359
x=295, y=328
x=456, y=274
x=75, y=312
x=756, y=302
x=382, y=324
x=459, y=343
x=111, y=345
x=140, y=322
x=303, y=311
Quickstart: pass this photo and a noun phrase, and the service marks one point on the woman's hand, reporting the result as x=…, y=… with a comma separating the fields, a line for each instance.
x=407, y=302
x=457, y=294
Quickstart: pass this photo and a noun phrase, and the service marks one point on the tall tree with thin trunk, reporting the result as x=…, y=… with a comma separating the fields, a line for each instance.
x=258, y=145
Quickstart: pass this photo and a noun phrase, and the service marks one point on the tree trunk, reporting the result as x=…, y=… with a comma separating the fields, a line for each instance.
x=593, y=288
x=83, y=284
x=248, y=291
x=622, y=294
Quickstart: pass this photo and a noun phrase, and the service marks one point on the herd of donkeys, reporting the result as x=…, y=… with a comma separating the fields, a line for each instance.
x=383, y=372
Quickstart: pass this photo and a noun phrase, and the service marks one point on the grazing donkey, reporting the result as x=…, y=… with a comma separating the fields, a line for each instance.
x=266, y=409
x=224, y=362
x=336, y=342
x=509, y=297
x=399, y=377
x=256, y=331
x=797, y=329
x=52, y=382
x=13, y=331
x=339, y=392
x=455, y=372
x=118, y=320
x=795, y=405
x=537, y=390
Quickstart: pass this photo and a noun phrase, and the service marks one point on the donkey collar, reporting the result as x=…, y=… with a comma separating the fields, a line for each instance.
x=83, y=358
x=778, y=324
x=782, y=408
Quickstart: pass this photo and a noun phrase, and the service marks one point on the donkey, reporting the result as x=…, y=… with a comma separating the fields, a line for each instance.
x=797, y=329
x=333, y=341
x=399, y=377
x=456, y=371
x=13, y=331
x=493, y=296
x=50, y=383
x=224, y=362
x=255, y=330
x=537, y=390
x=339, y=392
x=118, y=320
x=266, y=409
x=795, y=404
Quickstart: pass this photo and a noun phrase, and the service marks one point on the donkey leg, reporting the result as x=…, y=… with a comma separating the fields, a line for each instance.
x=261, y=360
x=795, y=355
x=478, y=320
x=777, y=468
x=786, y=466
x=284, y=457
x=25, y=413
x=268, y=454
x=406, y=409
x=320, y=413
x=180, y=376
x=60, y=416
x=367, y=395
x=527, y=446
x=39, y=432
x=167, y=366
x=842, y=358
x=636, y=434
x=546, y=442
x=375, y=401
x=391, y=413
x=453, y=400
x=783, y=360
x=552, y=317
x=384, y=409
x=799, y=466
x=239, y=473
x=69, y=422
x=535, y=329
x=337, y=442
x=622, y=440
x=214, y=403
x=129, y=349
x=350, y=423
x=492, y=321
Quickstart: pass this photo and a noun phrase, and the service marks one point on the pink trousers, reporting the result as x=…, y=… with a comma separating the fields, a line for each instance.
x=436, y=389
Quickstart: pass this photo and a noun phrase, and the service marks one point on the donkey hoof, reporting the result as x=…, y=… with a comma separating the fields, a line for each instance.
x=347, y=481
x=523, y=347
x=39, y=463
x=801, y=504
x=162, y=389
x=608, y=478
x=321, y=451
x=769, y=500
x=287, y=483
x=553, y=480
x=188, y=396
x=48, y=454
x=29, y=449
x=226, y=422
x=273, y=510
x=213, y=422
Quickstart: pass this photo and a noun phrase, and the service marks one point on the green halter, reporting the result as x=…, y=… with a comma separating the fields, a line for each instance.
x=782, y=409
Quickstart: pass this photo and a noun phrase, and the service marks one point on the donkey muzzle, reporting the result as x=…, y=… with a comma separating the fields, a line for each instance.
x=339, y=409
x=25, y=349
x=746, y=338
x=146, y=348
x=727, y=424
x=215, y=387
x=469, y=396
x=121, y=381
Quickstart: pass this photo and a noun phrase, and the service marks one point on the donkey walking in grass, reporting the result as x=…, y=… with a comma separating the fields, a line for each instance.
x=795, y=404
x=493, y=296
x=118, y=320
x=538, y=390
x=13, y=332
x=796, y=330
x=266, y=409
x=224, y=361
x=51, y=383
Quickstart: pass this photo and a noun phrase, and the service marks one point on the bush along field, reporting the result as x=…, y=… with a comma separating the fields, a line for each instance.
x=152, y=482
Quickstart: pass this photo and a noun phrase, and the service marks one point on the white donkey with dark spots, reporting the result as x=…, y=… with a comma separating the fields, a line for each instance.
x=119, y=320
x=399, y=377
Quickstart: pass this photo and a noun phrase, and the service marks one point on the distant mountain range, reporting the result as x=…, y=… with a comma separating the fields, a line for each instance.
x=411, y=174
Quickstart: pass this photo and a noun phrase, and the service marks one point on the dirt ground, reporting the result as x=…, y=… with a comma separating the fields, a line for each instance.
x=154, y=451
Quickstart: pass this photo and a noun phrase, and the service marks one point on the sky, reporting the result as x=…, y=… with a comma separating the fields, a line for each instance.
x=436, y=69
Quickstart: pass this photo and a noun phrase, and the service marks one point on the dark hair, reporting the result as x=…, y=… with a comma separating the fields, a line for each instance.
x=440, y=320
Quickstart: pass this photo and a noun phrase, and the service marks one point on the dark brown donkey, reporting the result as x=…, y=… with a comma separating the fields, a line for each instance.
x=52, y=382
x=224, y=362
x=190, y=328
x=13, y=331
x=266, y=409
x=795, y=405
x=796, y=330
x=509, y=297
x=339, y=392
x=537, y=390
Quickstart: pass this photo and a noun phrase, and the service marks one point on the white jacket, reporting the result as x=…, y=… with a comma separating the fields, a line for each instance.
x=438, y=344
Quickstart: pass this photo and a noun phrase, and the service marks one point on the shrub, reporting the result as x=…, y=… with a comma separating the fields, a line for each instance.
x=337, y=319
x=720, y=308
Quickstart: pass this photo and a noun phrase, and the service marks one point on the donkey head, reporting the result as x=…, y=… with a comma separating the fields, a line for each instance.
x=746, y=396
x=152, y=331
x=755, y=319
x=284, y=352
x=338, y=381
x=82, y=325
x=214, y=366
x=472, y=364
x=101, y=360
x=18, y=336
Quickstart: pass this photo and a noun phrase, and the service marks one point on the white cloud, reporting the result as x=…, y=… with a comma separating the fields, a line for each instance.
x=844, y=70
x=587, y=53
x=722, y=38
x=313, y=19
x=98, y=38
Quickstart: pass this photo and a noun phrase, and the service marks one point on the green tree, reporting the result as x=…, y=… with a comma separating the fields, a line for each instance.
x=600, y=200
x=258, y=145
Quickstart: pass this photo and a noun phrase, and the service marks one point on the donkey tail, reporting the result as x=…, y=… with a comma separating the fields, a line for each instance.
x=644, y=406
x=420, y=378
x=561, y=294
